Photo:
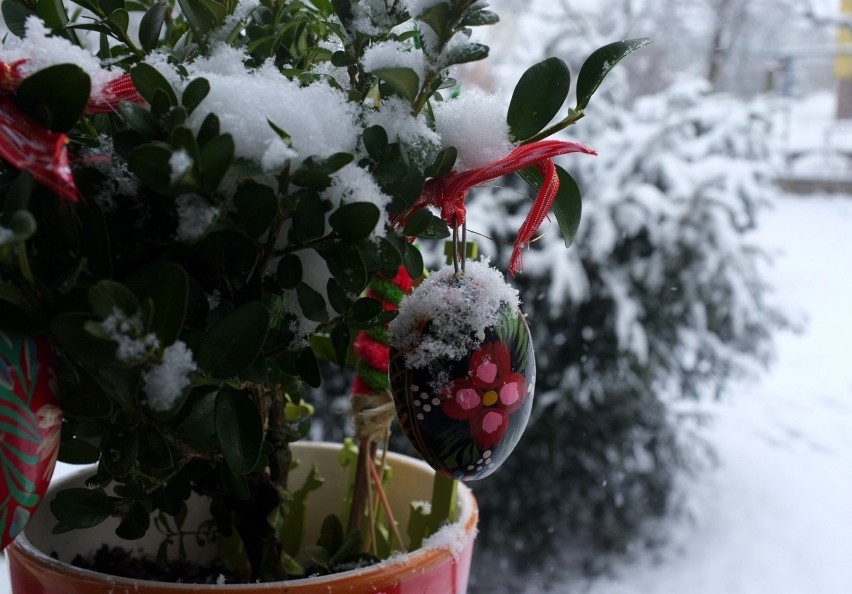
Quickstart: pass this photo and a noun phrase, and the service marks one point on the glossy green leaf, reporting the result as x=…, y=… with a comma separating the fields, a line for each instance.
x=366, y=308
x=106, y=296
x=154, y=452
x=347, y=267
x=355, y=221
x=118, y=20
x=167, y=285
x=198, y=428
x=119, y=449
x=82, y=508
x=341, y=339
x=239, y=428
x=338, y=298
x=567, y=206
x=150, y=163
x=55, y=16
x=194, y=93
x=309, y=218
x=404, y=81
x=599, y=64
x=15, y=15
x=289, y=273
x=233, y=343
x=468, y=52
x=375, y=141
x=56, y=96
x=314, y=173
x=198, y=18
x=308, y=368
x=216, y=157
x=538, y=97
x=148, y=79
x=134, y=523
x=413, y=261
x=443, y=163
x=140, y=119
x=438, y=18
x=151, y=25
x=312, y=303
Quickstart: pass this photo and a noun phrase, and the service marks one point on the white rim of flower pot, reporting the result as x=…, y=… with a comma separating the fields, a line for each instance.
x=449, y=541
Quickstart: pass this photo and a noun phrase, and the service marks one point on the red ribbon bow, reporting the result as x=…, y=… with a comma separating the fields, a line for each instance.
x=28, y=146
x=449, y=192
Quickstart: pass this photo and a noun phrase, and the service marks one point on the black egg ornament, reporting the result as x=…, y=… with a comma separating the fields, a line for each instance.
x=462, y=370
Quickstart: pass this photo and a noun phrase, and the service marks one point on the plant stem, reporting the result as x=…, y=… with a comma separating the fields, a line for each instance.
x=572, y=118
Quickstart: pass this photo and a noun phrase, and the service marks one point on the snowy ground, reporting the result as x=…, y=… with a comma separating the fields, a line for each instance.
x=775, y=515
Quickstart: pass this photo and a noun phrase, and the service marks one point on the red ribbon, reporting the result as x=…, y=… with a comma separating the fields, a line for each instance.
x=28, y=146
x=449, y=192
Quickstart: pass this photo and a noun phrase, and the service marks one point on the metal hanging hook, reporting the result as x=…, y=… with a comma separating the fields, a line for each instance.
x=459, y=251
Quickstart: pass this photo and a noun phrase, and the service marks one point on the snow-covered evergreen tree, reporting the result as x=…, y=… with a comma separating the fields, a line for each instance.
x=658, y=303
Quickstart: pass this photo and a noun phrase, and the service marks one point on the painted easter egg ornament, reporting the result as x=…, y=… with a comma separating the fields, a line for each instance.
x=462, y=370
x=30, y=426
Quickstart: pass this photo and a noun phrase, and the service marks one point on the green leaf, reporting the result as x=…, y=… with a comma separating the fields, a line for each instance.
x=150, y=163
x=347, y=267
x=538, y=97
x=239, y=428
x=194, y=93
x=199, y=428
x=598, y=65
x=167, y=285
x=366, y=308
x=341, y=338
x=56, y=96
x=216, y=157
x=438, y=18
x=15, y=15
x=154, y=452
x=119, y=449
x=257, y=206
x=375, y=141
x=337, y=296
x=198, y=18
x=567, y=206
x=151, y=25
x=289, y=273
x=404, y=81
x=417, y=222
x=82, y=508
x=413, y=261
x=236, y=484
x=443, y=163
x=106, y=296
x=135, y=522
x=233, y=343
x=314, y=173
x=312, y=303
x=118, y=21
x=355, y=221
x=54, y=15
x=141, y=120
x=343, y=8
x=148, y=80
x=468, y=52
x=308, y=219
x=308, y=368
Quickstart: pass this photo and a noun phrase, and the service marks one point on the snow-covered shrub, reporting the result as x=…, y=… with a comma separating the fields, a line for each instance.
x=659, y=303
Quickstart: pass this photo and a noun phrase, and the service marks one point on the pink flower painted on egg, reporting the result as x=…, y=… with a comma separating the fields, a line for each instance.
x=488, y=395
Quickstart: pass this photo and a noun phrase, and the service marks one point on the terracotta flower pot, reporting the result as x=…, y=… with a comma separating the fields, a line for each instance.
x=441, y=566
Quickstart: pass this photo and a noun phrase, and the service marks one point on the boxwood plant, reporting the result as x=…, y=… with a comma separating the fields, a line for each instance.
x=222, y=209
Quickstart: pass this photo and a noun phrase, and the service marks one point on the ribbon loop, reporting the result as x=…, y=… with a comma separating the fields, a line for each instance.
x=448, y=193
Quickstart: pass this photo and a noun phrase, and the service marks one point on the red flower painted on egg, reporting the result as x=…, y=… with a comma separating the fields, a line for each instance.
x=488, y=395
